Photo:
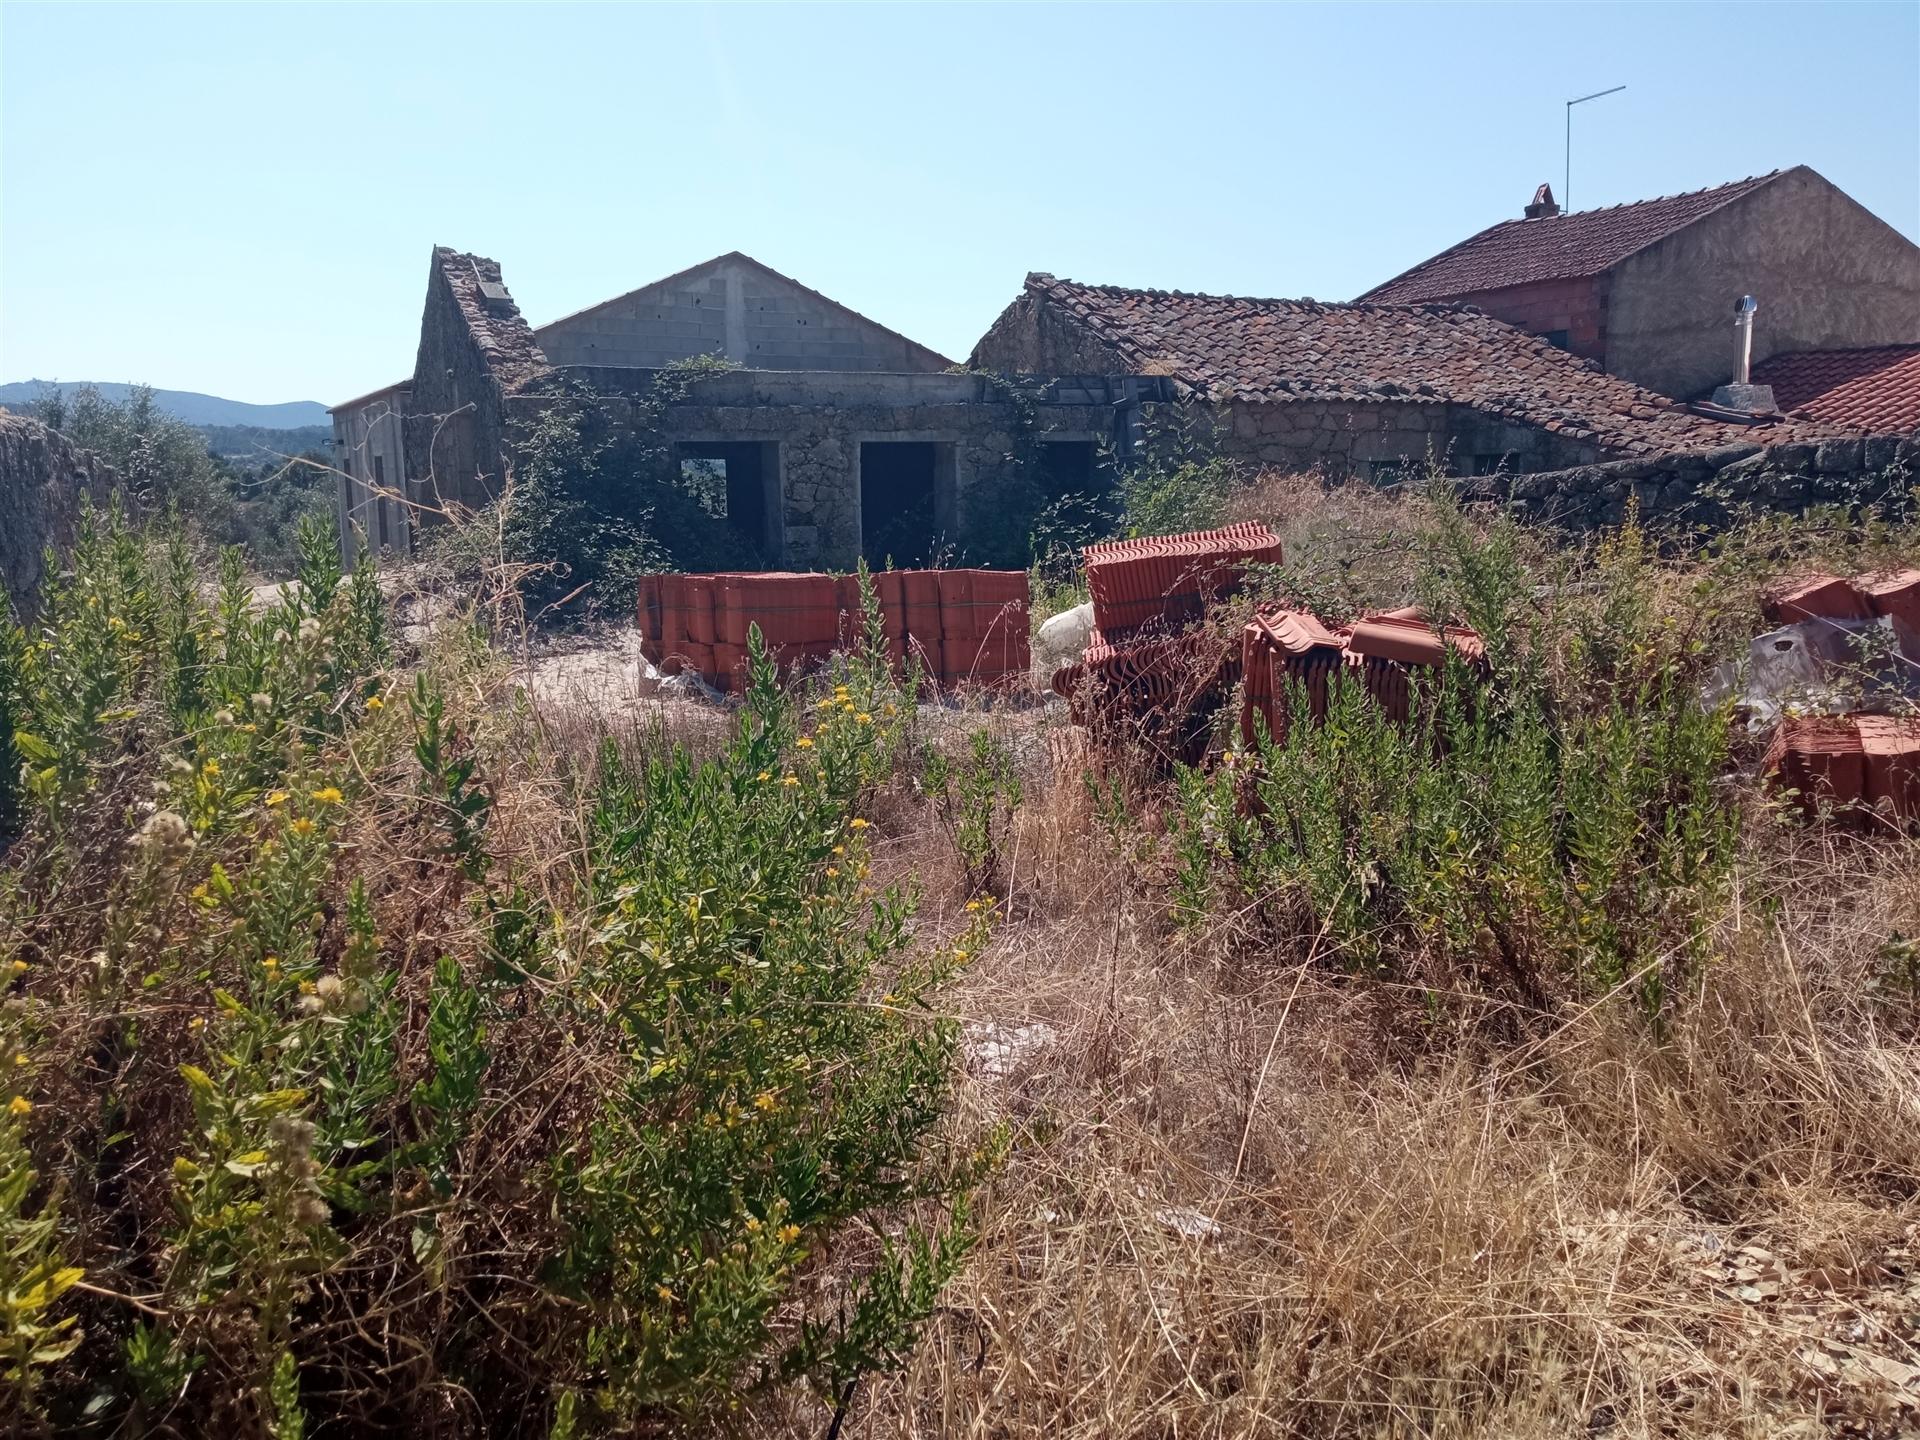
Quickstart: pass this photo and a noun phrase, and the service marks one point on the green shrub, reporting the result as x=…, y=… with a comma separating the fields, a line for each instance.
x=975, y=798
x=597, y=503
x=316, y=1038
x=1553, y=820
x=1178, y=480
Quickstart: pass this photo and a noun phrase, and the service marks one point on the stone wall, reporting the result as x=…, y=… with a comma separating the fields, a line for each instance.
x=737, y=308
x=815, y=425
x=1708, y=489
x=1369, y=439
x=42, y=481
x=1032, y=338
x=474, y=351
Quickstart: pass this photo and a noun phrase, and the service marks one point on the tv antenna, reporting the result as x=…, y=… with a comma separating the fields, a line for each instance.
x=1566, y=187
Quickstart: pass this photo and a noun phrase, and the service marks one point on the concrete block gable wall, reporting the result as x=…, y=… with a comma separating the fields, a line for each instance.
x=736, y=308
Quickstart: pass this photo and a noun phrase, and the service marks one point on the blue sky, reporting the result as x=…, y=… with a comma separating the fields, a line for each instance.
x=242, y=199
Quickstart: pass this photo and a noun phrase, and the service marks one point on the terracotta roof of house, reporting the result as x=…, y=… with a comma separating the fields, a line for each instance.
x=935, y=359
x=1557, y=247
x=1226, y=346
x=1876, y=389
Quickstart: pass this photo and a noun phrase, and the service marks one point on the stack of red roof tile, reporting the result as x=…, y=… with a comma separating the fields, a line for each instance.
x=1857, y=763
x=965, y=626
x=1391, y=654
x=1894, y=594
x=1169, y=580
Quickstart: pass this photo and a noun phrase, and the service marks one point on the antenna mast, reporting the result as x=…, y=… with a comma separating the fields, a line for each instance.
x=1566, y=186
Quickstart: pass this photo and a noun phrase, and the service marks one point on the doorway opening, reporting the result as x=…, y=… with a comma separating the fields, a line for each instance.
x=736, y=481
x=899, y=521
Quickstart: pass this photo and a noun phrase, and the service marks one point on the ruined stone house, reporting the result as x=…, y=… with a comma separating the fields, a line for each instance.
x=1359, y=389
x=1647, y=289
x=837, y=437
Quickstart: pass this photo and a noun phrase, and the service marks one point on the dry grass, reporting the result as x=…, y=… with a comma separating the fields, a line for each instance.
x=1401, y=1226
x=1406, y=1233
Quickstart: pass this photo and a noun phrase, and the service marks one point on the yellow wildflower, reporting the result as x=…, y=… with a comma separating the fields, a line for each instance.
x=753, y=1224
x=960, y=955
x=374, y=702
x=972, y=906
x=21, y=1105
x=20, y=967
x=803, y=743
x=307, y=987
x=212, y=767
x=892, y=709
x=250, y=728
x=863, y=718
x=303, y=826
x=839, y=849
x=329, y=795
x=766, y=774
x=847, y=708
x=198, y=1022
x=272, y=962
x=789, y=1233
x=764, y=1100
x=664, y=1293
x=278, y=797
x=832, y=873
x=791, y=780
x=21, y=1059
x=858, y=823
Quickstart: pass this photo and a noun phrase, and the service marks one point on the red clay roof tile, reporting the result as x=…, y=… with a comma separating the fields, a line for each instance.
x=1274, y=351
x=1556, y=247
x=1875, y=389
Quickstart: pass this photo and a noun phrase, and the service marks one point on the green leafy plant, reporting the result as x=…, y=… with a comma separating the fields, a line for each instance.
x=975, y=798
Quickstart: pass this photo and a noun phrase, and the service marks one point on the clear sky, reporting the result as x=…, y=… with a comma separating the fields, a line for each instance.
x=242, y=199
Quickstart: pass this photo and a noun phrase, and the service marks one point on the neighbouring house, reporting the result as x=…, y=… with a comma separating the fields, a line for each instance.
x=1361, y=388
x=1876, y=389
x=836, y=438
x=1647, y=289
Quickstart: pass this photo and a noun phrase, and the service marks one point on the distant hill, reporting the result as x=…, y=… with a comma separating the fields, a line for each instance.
x=193, y=408
x=260, y=442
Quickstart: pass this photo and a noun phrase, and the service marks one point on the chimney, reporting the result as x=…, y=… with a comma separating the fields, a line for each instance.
x=1742, y=394
x=1543, y=206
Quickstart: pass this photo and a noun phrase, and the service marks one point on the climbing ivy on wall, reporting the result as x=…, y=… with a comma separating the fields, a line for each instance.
x=598, y=499
x=1019, y=513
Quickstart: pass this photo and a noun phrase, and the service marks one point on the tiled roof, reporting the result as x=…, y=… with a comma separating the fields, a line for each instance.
x=1556, y=247
x=1288, y=350
x=1876, y=389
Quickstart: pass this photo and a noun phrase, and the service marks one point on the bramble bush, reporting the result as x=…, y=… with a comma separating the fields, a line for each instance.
x=339, y=1102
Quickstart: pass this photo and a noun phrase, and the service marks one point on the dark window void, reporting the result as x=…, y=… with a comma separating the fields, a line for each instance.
x=1492, y=464
x=898, y=521
x=1067, y=468
x=733, y=480
x=1557, y=338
